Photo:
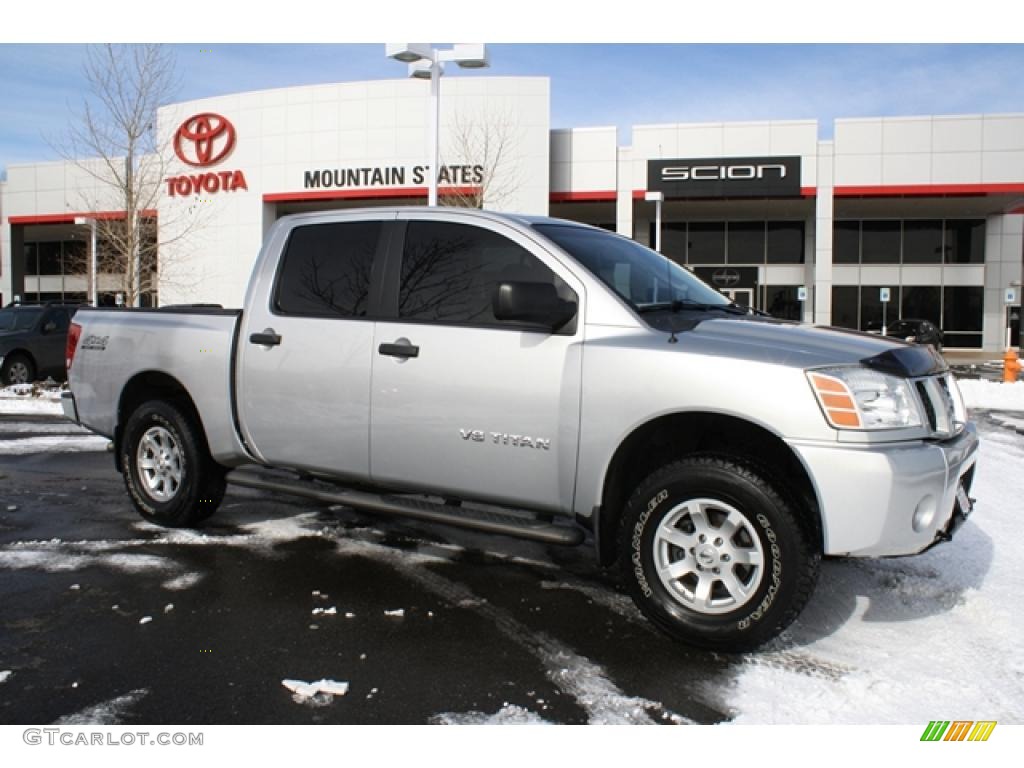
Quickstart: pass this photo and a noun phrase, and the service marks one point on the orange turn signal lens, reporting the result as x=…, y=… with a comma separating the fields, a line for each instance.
x=836, y=401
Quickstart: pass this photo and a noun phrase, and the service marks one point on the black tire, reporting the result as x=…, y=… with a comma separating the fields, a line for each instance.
x=167, y=468
x=17, y=369
x=708, y=597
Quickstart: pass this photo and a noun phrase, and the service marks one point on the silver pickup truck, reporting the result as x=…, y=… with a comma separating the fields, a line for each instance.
x=538, y=378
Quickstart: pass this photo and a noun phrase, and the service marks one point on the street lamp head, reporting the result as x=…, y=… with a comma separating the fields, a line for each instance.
x=471, y=55
x=422, y=69
x=408, y=52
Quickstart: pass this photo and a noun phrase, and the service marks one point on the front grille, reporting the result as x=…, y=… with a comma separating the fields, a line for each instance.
x=926, y=401
x=940, y=405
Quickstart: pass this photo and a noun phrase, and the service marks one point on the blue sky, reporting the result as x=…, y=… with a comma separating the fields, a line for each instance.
x=591, y=84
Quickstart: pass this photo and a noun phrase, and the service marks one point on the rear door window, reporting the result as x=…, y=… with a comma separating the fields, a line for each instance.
x=326, y=270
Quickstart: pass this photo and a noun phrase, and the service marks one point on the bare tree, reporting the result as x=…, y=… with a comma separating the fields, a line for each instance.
x=114, y=141
x=488, y=142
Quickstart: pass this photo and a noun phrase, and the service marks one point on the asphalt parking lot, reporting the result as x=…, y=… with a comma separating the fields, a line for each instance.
x=107, y=619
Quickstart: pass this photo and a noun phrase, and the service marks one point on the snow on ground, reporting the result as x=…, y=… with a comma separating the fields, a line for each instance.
x=105, y=713
x=30, y=399
x=510, y=714
x=915, y=639
x=980, y=393
x=53, y=444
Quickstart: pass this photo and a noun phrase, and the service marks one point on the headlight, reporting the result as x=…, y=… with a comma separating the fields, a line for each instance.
x=860, y=398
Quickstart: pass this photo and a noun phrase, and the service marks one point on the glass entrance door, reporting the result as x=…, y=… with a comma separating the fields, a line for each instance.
x=742, y=296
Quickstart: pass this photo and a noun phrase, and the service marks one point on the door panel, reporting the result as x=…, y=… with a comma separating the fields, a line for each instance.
x=305, y=356
x=484, y=409
x=481, y=413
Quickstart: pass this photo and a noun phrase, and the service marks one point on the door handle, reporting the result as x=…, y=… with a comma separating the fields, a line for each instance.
x=401, y=348
x=269, y=338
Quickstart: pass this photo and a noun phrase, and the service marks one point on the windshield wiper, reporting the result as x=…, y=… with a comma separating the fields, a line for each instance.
x=680, y=304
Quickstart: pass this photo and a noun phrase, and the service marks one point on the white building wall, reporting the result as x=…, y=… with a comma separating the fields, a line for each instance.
x=584, y=160
x=282, y=134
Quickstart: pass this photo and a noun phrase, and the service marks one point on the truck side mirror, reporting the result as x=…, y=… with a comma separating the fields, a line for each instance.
x=532, y=303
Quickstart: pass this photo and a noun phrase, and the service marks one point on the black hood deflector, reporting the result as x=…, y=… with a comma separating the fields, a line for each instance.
x=909, y=362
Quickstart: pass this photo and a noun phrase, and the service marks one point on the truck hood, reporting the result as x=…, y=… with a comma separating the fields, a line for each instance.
x=809, y=346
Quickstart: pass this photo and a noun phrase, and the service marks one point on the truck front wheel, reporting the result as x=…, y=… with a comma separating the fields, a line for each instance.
x=714, y=555
x=167, y=467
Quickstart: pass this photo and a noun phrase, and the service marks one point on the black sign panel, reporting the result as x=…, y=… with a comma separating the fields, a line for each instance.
x=710, y=177
x=726, y=278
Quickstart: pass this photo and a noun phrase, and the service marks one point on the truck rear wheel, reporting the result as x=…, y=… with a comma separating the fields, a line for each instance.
x=714, y=555
x=168, y=471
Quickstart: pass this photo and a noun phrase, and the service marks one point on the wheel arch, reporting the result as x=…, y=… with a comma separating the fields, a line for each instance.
x=674, y=436
x=152, y=385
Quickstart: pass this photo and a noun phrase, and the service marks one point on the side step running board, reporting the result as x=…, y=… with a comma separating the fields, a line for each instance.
x=461, y=517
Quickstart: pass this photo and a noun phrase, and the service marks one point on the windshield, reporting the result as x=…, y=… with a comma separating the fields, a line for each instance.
x=19, y=319
x=642, y=277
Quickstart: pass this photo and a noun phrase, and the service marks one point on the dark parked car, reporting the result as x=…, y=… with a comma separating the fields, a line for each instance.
x=911, y=329
x=32, y=341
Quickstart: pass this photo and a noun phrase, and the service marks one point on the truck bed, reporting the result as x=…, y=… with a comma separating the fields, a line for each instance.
x=193, y=345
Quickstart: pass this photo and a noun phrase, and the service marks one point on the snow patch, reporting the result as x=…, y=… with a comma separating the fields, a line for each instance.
x=185, y=581
x=51, y=561
x=981, y=393
x=5, y=675
x=317, y=694
x=74, y=444
x=105, y=713
x=510, y=714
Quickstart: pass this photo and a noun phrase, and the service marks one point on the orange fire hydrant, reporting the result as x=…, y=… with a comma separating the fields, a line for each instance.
x=1011, y=366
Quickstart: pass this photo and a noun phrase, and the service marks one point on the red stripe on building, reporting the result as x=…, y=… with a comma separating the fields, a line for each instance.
x=928, y=190
x=364, y=194
x=639, y=194
x=601, y=196
x=69, y=218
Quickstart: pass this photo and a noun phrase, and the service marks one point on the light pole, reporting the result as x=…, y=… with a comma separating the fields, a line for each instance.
x=427, y=63
x=657, y=198
x=81, y=221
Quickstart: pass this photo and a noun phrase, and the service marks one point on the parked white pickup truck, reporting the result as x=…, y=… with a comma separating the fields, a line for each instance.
x=439, y=363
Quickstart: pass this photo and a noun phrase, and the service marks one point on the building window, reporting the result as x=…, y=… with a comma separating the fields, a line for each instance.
x=673, y=241
x=746, y=242
x=845, y=305
x=781, y=301
x=846, y=242
x=962, y=311
x=49, y=258
x=31, y=259
x=706, y=243
x=922, y=302
x=880, y=242
x=913, y=241
x=965, y=241
x=785, y=242
x=871, y=310
x=922, y=242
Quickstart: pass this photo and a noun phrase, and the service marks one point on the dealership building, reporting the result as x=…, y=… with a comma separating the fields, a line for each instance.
x=925, y=210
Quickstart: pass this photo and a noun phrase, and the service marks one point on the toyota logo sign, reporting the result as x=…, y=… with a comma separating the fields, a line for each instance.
x=204, y=139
